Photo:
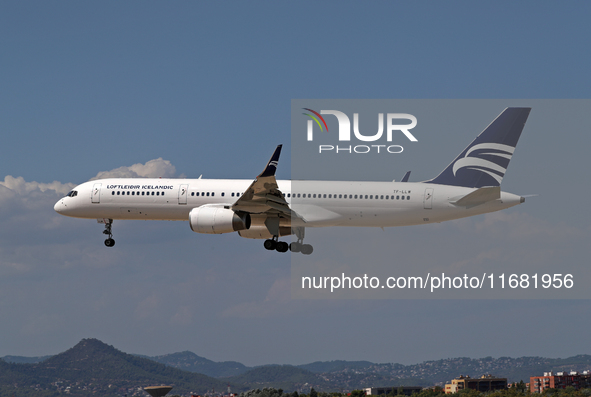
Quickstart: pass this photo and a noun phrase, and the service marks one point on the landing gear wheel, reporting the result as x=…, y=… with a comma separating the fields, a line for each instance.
x=282, y=246
x=295, y=247
x=109, y=242
x=270, y=244
x=307, y=249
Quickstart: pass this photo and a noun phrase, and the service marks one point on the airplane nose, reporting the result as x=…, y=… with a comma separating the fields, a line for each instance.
x=59, y=206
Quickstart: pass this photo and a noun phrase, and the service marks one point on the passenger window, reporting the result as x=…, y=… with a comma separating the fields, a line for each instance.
x=212, y=194
x=371, y=197
x=408, y=197
x=381, y=197
x=113, y=193
x=402, y=198
x=314, y=196
x=325, y=196
x=223, y=194
x=143, y=193
x=397, y=197
x=118, y=193
x=355, y=196
x=152, y=193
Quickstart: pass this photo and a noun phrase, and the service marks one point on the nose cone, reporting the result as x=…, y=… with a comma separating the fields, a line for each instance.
x=59, y=207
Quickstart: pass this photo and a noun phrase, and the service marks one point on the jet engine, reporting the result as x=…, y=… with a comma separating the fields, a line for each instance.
x=217, y=220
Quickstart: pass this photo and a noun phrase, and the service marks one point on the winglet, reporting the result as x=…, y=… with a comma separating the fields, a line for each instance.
x=405, y=177
x=272, y=164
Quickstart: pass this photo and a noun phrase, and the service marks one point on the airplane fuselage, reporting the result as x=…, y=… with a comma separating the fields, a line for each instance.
x=321, y=203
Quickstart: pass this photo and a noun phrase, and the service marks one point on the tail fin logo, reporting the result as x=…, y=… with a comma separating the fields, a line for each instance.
x=492, y=168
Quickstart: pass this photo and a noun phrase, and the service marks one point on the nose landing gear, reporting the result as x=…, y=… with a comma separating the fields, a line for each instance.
x=109, y=242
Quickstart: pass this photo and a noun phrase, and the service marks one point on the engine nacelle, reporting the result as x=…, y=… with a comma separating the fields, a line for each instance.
x=217, y=220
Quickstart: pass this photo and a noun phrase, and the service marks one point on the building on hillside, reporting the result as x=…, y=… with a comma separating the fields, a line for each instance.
x=383, y=391
x=484, y=383
x=560, y=380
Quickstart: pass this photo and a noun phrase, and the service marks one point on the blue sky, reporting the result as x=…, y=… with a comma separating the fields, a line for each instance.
x=91, y=87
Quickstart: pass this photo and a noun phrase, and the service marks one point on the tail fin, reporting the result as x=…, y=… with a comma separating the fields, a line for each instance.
x=485, y=161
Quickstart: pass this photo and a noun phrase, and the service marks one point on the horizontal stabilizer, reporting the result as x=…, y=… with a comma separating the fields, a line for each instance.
x=479, y=196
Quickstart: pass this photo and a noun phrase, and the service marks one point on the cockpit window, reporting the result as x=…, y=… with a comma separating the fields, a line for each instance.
x=73, y=193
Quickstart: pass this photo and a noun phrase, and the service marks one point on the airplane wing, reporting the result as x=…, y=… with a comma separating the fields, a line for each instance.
x=263, y=195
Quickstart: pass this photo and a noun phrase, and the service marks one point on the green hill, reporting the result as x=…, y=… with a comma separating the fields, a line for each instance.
x=94, y=367
x=24, y=360
x=286, y=377
x=319, y=367
x=189, y=361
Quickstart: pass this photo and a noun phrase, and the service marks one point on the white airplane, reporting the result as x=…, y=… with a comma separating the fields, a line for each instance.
x=268, y=209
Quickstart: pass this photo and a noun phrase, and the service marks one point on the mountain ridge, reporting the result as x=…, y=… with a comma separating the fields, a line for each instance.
x=99, y=367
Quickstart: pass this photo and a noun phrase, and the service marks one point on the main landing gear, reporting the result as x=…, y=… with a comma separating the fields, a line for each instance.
x=273, y=244
x=109, y=242
x=282, y=246
x=297, y=246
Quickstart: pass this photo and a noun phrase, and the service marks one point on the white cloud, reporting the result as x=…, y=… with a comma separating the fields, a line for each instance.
x=20, y=186
x=152, y=169
x=27, y=206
